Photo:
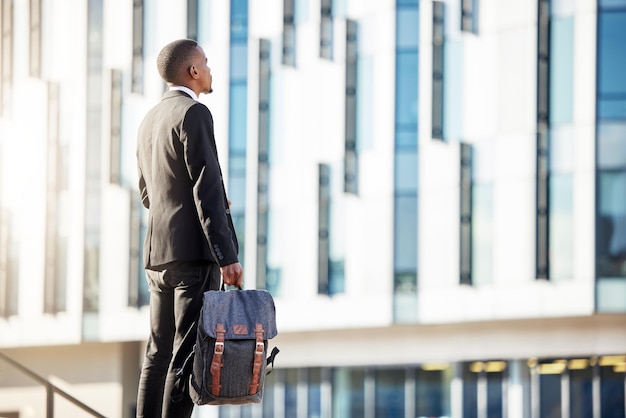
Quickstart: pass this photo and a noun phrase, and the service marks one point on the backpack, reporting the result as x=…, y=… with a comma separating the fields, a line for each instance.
x=229, y=358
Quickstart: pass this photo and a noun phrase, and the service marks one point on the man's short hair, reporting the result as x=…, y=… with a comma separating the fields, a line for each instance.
x=174, y=58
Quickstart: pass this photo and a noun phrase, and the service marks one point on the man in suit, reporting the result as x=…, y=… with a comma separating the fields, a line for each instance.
x=190, y=239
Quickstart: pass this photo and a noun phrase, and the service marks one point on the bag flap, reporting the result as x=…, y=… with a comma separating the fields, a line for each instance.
x=239, y=311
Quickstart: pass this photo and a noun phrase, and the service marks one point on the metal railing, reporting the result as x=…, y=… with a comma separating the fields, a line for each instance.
x=51, y=389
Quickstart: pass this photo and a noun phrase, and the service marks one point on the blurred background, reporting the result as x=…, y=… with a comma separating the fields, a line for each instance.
x=433, y=191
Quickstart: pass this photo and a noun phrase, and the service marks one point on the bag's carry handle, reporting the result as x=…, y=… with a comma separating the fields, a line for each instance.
x=224, y=289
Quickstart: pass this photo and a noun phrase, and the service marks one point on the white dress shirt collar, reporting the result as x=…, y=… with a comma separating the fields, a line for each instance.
x=186, y=90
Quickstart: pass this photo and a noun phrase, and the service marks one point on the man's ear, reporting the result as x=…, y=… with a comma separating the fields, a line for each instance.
x=193, y=72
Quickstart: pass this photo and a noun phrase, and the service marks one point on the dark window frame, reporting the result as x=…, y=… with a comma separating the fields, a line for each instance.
x=35, y=38
x=137, y=69
x=465, y=212
x=351, y=96
x=289, y=33
x=542, y=186
x=469, y=16
x=263, y=163
x=438, y=61
x=6, y=53
x=326, y=29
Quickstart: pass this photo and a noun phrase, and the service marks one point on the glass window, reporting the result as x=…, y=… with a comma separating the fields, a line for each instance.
x=611, y=228
x=405, y=181
x=389, y=393
x=469, y=16
x=580, y=388
x=550, y=395
x=289, y=33
x=611, y=294
x=239, y=61
x=291, y=393
x=326, y=29
x=138, y=45
x=406, y=90
x=561, y=70
x=365, y=102
x=275, y=237
x=431, y=393
x=351, y=157
x=611, y=3
x=405, y=255
x=237, y=107
x=611, y=61
x=268, y=394
x=406, y=170
x=561, y=194
x=407, y=31
x=453, y=74
x=349, y=393
x=237, y=113
x=336, y=261
x=611, y=145
x=482, y=213
x=612, y=369
x=482, y=233
x=561, y=226
x=611, y=158
x=495, y=394
x=314, y=393
x=470, y=391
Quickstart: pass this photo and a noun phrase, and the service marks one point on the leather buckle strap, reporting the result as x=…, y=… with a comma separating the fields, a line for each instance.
x=258, y=358
x=216, y=362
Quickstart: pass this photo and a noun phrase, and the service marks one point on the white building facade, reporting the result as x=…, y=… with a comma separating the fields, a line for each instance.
x=433, y=191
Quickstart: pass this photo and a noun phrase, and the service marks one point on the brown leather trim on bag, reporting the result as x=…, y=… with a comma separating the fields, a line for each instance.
x=216, y=362
x=258, y=358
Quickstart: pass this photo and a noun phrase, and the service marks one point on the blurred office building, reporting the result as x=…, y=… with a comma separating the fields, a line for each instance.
x=433, y=191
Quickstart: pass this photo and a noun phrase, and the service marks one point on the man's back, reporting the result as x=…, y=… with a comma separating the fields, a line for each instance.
x=163, y=151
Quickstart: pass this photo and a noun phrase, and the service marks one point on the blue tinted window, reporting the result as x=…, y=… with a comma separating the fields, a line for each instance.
x=611, y=138
x=611, y=55
x=611, y=3
x=405, y=233
x=407, y=31
x=453, y=90
x=561, y=221
x=390, y=393
x=561, y=226
x=239, y=9
x=406, y=88
x=561, y=70
x=550, y=399
x=238, y=111
x=406, y=171
x=238, y=61
x=348, y=393
x=238, y=21
x=562, y=151
x=365, y=101
x=405, y=175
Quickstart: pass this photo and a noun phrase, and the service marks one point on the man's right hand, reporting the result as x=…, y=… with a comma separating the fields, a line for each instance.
x=232, y=274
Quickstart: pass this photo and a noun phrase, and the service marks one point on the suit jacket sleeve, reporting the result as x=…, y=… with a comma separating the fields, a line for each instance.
x=143, y=190
x=208, y=188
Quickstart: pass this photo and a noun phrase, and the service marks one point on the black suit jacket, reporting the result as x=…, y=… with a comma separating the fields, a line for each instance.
x=181, y=184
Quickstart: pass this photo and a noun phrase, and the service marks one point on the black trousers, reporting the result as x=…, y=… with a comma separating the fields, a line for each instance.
x=175, y=303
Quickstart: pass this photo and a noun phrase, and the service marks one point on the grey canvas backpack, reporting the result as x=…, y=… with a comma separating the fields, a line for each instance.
x=230, y=356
